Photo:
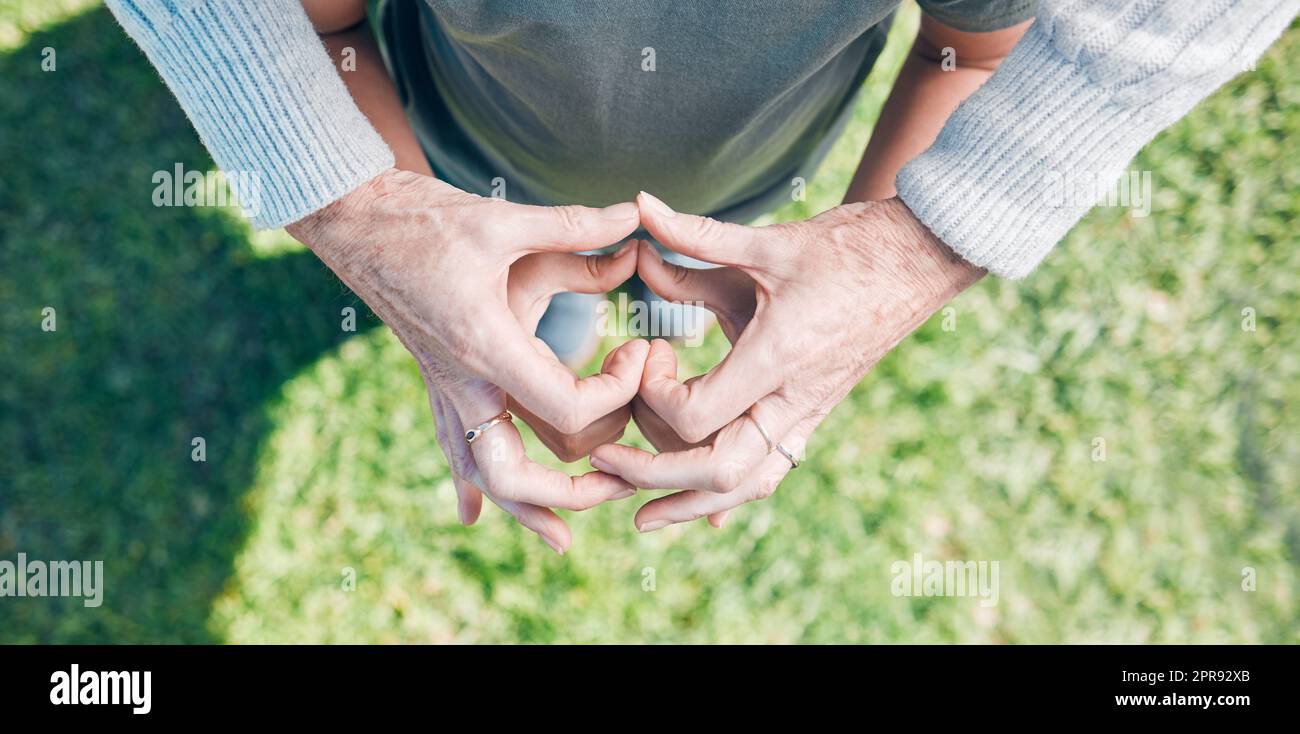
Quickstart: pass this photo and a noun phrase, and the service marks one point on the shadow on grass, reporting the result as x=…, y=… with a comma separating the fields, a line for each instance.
x=168, y=328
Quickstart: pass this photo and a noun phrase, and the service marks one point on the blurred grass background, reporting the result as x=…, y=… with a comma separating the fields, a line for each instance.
x=967, y=444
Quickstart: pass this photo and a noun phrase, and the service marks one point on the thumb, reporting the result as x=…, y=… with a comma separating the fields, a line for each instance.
x=702, y=238
x=568, y=228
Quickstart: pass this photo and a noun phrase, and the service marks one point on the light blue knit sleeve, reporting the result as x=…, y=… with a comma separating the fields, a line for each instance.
x=1089, y=85
x=267, y=102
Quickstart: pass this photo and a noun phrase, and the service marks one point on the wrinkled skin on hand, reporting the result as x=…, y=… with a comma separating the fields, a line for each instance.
x=436, y=263
x=809, y=307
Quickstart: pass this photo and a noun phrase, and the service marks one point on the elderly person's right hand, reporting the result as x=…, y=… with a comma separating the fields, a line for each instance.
x=434, y=263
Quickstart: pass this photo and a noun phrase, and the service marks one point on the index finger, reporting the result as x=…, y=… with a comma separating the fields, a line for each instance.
x=736, y=452
x=567, y=228
x=508, y=474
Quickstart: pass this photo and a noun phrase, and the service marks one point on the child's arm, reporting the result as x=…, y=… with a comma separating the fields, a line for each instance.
x=350, y=42
x=944, y=67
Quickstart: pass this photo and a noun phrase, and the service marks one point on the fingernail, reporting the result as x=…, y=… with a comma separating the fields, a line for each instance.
x=657, y=206
x=463, y=513
x=554, y=546
x=600, y=465
x=721, y=522
x=626, y=210
x=651, y=526
x=623, y=495
x=654, y=252
x=625, y=249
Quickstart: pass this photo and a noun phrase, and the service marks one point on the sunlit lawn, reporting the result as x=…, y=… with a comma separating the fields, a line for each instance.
x=977, y=443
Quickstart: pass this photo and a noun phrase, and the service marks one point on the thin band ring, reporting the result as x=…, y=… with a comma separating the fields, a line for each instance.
x=773, y=445
x=767, y=437
x=474, y=433
x=789, y=455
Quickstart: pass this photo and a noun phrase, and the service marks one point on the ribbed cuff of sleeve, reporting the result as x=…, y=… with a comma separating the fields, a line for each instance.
x=267, y=102
x=994, y=185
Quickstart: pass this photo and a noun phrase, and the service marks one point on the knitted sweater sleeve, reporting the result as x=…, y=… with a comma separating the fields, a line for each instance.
x=1091, y=83
x=260, y=89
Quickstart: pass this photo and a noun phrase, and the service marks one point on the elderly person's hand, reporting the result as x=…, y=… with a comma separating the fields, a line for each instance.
x=831, y=296
x=728, y=293
x=434, y=263
x=534, y=280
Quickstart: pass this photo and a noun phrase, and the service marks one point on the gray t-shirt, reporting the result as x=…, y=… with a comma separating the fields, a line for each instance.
x=712, y=105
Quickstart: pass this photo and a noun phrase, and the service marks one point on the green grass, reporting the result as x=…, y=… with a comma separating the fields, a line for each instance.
x=966, y=444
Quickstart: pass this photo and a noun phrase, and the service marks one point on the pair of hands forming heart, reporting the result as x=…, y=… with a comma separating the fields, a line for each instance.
x=462, y=280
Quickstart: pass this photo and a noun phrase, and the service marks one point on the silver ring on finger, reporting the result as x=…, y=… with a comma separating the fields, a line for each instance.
x=789, y=455
x=767, y=437
x=773, y=445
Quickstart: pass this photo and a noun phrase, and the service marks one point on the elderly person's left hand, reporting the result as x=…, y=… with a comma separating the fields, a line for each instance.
x=810, y=307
